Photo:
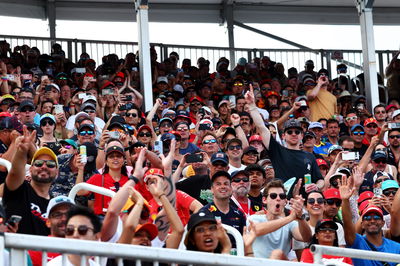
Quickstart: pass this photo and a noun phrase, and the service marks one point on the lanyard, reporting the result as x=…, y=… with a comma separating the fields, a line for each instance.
x=240, y=206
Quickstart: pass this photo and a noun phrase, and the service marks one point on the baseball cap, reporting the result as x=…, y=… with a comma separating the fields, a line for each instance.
x=315, y=125
x=44, y=151
x=389, y=184
x=196, y=98
x=167, y=136
x=223, y=102
x=79, y=116
x=221, y=173
x=323, y=222
x=115, y=148
x=332, y=193
x=88, y=105
x=153, y=171
x=167, y=112
x=292, y=123
x=165, y=119
x=57, y=201
x=255, y=138
x=256, y=167
x=395, y=113
x=390, y=106
x=198, y=218
x=250, y=149
x=219, y=157
x=356, y=126
x=162, y=79
x=232, y=141
x=370, y=120
x=374, y=209
x=11, y=123
x=144, y=127
x=334, y=148
x=149, y=228
x=26, y=103
x=322, y=162
x=69, y=142
x=378, y=155
x=237, y=172
x=309, y=134
x=272, y=93
x=85, y=126
x=52, y=85
x=49, y=116
x=365, y=195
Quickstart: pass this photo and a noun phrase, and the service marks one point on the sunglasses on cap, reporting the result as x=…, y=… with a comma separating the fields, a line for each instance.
x=86, y=132
x=237, y=180
x=82, y=230
x=319, y=201
x=332, y=201
x=40, y=163
x=282, y=196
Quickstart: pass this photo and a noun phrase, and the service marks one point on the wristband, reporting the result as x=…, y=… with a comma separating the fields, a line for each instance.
x=4, y=78
x=134, y=178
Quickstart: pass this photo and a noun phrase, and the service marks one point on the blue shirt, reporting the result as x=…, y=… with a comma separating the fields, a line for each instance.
x=191, y=148
x=387, y=246
x=322, y=148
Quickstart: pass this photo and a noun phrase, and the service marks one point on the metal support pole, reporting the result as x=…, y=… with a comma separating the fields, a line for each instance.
x=51, y=16
x=142, y=18
x=231, y=37
x=368, y=47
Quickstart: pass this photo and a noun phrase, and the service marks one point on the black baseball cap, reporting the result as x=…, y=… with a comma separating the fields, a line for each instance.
x=292, y=123
x=219, y=157
x=256, y=167
x=221, y=173
x=197, y=218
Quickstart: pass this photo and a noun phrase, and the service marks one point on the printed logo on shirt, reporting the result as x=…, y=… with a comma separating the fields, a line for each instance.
x=206, y=194
x=35, y=210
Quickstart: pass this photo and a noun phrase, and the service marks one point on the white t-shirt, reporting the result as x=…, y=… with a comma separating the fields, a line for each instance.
x=57, y=261
x=233, y=168
x=99, y=123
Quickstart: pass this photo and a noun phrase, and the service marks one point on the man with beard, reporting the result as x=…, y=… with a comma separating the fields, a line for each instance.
x=25, y=199
x=372, y=223
x=246, y=123
x=240, y=188
x=56, y=220
x=394, y=148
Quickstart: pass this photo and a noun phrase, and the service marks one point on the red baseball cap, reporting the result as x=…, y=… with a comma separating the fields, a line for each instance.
x=370, y=120
x=363, y=205
x=322, y=162
x=153, y=171
x=196, y=98
x=148, y=227
x=255, y=138
x=374, y=209
x=390, y=106
x=107, y=84
x=364, y=196
x=272, y=93
x=332, y=193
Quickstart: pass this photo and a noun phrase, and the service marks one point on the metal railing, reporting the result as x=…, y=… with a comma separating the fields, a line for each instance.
x=288, y=57
x=319, y=250
x=18, y=244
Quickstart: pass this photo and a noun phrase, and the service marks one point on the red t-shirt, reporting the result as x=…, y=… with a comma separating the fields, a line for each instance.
x=36, y=256
x=101, y=201
x=308, y=257
x=183, y=202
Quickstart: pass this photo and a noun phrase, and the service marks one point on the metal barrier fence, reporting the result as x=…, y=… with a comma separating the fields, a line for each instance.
x=18, y=244
x=288, y=57
x=319, y=250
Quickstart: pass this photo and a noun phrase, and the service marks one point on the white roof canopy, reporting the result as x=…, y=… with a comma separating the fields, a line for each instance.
x=207, y=11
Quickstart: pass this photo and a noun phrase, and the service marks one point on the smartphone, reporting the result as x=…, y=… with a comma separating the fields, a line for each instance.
x=134, y=69
x=285, y=93
x=128, y=98
x=158, y=146
x=81, y=70
x=232, y=99
x=350, y=156
x=204, y=127
x=194, y=158
x=107, y=92
x=58, y=109
x=82, y=96
x=378, y=192
x=114, y=134
x=14, y=219
x=26, y=76
x=10, y=77
x=394, y=125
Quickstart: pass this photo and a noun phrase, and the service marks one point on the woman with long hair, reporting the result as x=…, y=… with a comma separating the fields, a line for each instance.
x=48, y=125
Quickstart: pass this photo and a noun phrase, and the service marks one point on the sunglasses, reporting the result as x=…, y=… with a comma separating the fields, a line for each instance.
x=131, y=114
x=358, y=133
x=332, y=201
x=394, y=137
x=82, y=230
x=47, y=122
x=67, y=147
x=195, y=104
x=387, y=193
x=237, y=180
x=40, y=163
x=351, y=118
x=383, y=161
x=370, y=217
x=380, y=112
x=62, y=78
x=290, y=132
x=143, y=134
x=372, y=126
x=237, y=84
x=234, y=147
x=210, y=141
x=319, y=201
x=202, y=229
x=282, y=196
x=86, y=132
x=90, y=111
x=326, y=230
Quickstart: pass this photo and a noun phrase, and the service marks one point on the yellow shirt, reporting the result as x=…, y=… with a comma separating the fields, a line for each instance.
x=323, y=106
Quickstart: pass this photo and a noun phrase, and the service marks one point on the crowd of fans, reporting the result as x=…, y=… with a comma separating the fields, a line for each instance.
x=288, y=160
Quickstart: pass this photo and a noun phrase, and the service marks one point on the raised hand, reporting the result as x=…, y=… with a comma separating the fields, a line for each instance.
x=345, y=188
x=156, y=186
x=26, y=140
x=79, y=164
x=249, y=96
x=235, y=118
x=249, y=234
x=358, y=177
x=135, y=196
x=139, y=170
